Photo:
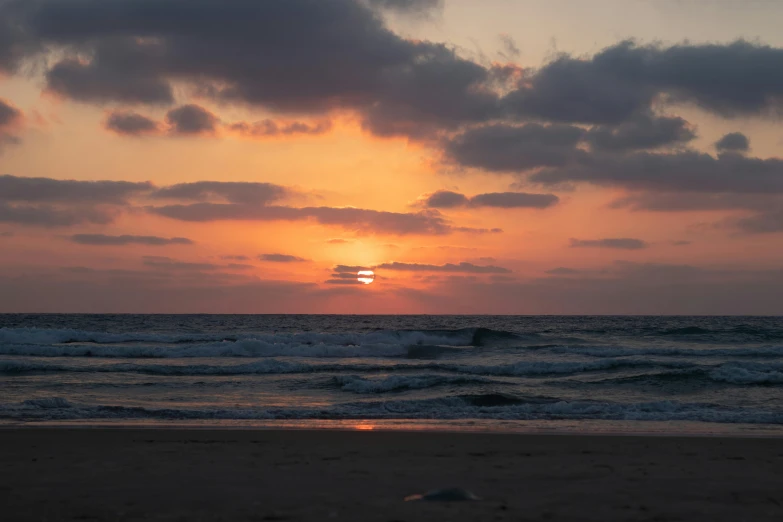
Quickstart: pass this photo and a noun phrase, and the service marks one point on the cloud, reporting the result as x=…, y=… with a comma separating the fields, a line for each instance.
x=191, y=119
x=448, y=199
x=6, y=234
x=167, y=263
x=345, y=281
x=338, y=241
x=48, y=190
x=271, y=128
x=510, y=49
x=128, y=123
x=510, y=148
x=343, y=269
x=623, y=243
x=240, y=192
x=448, y=267
x=281, y=258
x=642, y=131
x=8, y=114
x=686, y=171
x=250, y=53
x=49, y=216
x=235, y=258
x=10, y=120
x=736, y=79
x=762, y=223
x=562, y=271
x=359, y=220
x=694, y=201
x=733, y=141
x=104, y=240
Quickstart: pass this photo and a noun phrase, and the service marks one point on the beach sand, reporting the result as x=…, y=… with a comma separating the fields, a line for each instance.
x=195, y=475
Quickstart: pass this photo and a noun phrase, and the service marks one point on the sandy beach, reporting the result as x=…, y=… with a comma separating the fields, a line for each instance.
x=138, y=474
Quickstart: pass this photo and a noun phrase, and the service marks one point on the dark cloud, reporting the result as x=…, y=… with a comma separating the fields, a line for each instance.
x=131, y=124
x=514, y=200
x=47, y=190
x=281, y=258
x=104, y=240
x=687, y=171
x=762, y=223
x=415, y=6
x=448, y=267
x=8, y=114
x=352, y=281
x=49, y=216
x=445, y=199
x=623, y=243
x=448, y=199
x=349, y=269
x=345, y=275
x=643, y=131
x=235, y=258
x=278, y=55
x=271, y=128
x=355, y=219
x=240, y=192
x=562, y=271
x=733, y=141
x=694, y=201
x=510, y=49
x=510, y=148
x=740, y=78
x=167, y=263
x=191, y=119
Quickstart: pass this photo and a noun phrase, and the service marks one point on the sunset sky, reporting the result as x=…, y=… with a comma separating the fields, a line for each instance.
x=494, y=156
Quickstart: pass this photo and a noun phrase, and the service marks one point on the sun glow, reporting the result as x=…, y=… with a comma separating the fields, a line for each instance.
x=366, y=276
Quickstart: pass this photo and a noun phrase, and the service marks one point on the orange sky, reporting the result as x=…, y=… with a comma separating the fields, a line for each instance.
x=688, y=261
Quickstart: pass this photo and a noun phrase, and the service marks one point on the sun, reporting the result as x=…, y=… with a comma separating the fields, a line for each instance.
x=366, y=276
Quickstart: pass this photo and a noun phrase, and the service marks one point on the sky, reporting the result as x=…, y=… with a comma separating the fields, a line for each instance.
x=493, y=157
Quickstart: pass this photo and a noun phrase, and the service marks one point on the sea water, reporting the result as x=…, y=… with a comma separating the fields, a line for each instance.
x=676, y=374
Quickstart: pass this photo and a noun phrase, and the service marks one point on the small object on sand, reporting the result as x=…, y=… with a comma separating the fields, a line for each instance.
x=444, y=495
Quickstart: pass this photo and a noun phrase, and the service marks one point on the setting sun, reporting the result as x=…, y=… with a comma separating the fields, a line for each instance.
x=366, y=276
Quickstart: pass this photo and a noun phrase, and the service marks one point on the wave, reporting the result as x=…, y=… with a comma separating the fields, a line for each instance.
x=356, y=384
x=623, y=351
x=272, y=366
x=446, y=408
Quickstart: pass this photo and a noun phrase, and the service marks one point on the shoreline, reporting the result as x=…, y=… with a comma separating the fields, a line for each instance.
x=224, y=474
x=603, y=428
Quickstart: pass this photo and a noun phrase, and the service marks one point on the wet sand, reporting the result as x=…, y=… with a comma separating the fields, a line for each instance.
x=259, y=475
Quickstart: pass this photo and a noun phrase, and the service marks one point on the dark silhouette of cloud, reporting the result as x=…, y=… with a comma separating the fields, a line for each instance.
x=448, y=267
x=733, y=141
x=281, y=258
x=271, y=128
x=128, y=123
x=415, y=6
x=355, y=219
x=235, y=258
x=624, y=79
x=104, y=240
x=510, y=148
x=167, y=263
x=448, y=199
x=694, y=201
x=562, y=271
x=623, y=243
x=49, y=216
x=346, y=281
x=8, y=114
x=762, y=223
x=687, y=171
x=252, y=53
x=191, y=119
x=240, y=192
x=342, y=269
x=35, y=190
x=642, y=131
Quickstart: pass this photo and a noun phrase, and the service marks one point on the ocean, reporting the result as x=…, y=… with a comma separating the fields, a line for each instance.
x=651, y=374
